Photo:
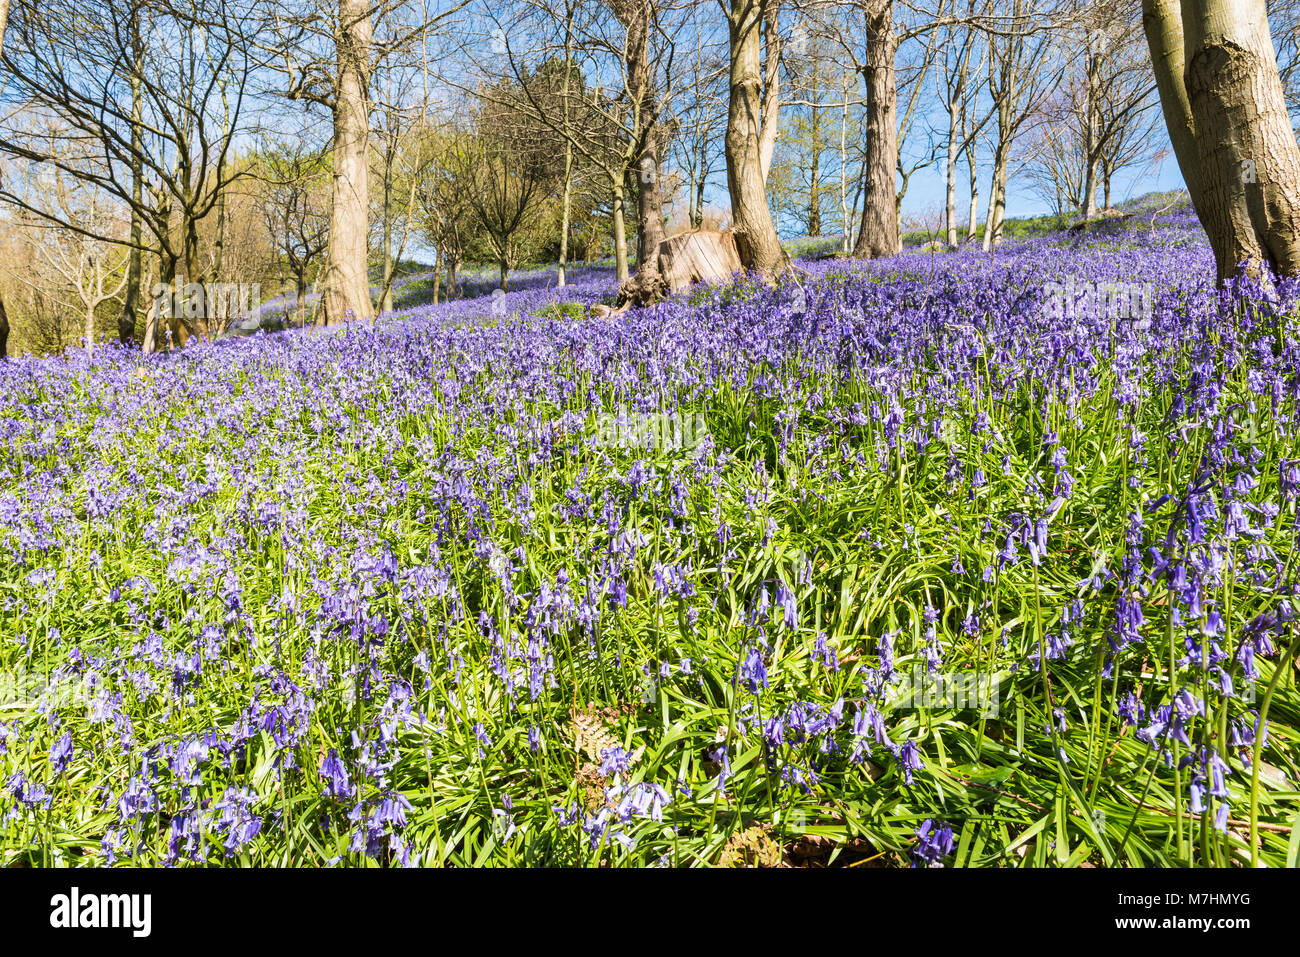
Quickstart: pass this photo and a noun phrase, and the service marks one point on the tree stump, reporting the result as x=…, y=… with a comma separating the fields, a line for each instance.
x=1102, y=217
x=700, y=255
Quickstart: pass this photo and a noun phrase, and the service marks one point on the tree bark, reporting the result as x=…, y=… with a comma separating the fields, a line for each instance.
x=1162, y=21
x=386, y=302
x=566, y=205
x=135, y=264
x=345, y=285
x=620, y=230
x=4, y=315
x=697, y=217
x=1090, y=131
x=1226, y=112
x=972, y=167
x=566, y=202
x=771, y=112
x=697, y=256
x=950, y=186
x=996, y=214
x=635, y=16
x=187, y=325
x=1090, y=191
x=879, y=233
x=1244, y=137
x=650, y=223
x=167, y=278
x=755, y=233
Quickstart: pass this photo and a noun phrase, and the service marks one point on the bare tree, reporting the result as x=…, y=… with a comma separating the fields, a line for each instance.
x=644, y=95
x=159, y=89
x=400, y=110
x=607, y=107
x=806, y=140
x=94, y=268
x=1102, y=119
x=958, y=88
x=1114, y=92
x=1022, y=74
x=701, y=111
x=328, y=52
x=445, y=213
x=509, y=172
x=295, y=209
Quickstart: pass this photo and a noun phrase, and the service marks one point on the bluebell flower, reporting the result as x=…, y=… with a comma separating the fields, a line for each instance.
x=335, y=774
x=61, y=754
x=754, y=672
x=934, y=842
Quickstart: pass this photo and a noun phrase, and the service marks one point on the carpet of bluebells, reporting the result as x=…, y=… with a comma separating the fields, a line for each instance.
x=382, y=596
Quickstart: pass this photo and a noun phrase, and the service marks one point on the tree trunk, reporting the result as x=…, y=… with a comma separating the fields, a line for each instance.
x=755, y=233
x=135, y=264
x=650, y=208
x=697, y=220
x=345, y=286
x=167, y=269
x=1226, y=114
x=993, y=220
x=815, y=201
x=620, y=231
x=972, y=225
x=879, y=233
x=771, y=112
x=1162, y=21
x=1001, y=160
x=4, y=316
x=1090, y=149
x=846, y=220
x=566, y=204
x=956, y=129
x=218, y=322
x=950, y=186
x=1244, y=139
x=1090, y=191
x=188, y=324
x=972, y=166
x=636, y=17
x=453, y=266
x=650, y=222
x=386, y=303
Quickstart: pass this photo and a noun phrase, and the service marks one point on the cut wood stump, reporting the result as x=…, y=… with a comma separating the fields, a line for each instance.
x=1101, y=218
x=699, y=255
